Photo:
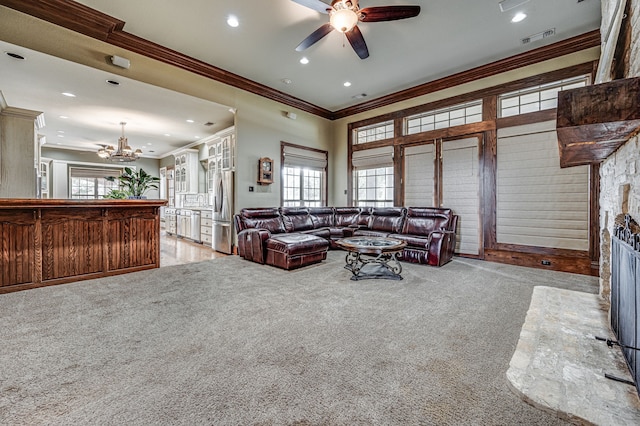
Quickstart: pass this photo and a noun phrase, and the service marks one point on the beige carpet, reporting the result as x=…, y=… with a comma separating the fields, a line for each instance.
x=229, y=342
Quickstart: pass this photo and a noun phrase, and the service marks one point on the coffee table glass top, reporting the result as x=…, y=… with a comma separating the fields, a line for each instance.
x=364, y=243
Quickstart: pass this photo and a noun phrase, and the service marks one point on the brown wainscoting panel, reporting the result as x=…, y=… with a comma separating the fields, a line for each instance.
x=132, y=240
x=71, y=246
x=17, y=248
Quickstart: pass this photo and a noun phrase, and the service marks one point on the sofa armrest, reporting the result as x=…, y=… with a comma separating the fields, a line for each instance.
x=441, y=246
x=251, y=244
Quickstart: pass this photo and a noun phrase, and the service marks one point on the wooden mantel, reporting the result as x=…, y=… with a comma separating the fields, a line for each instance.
x=49, y=241
x=594, y=121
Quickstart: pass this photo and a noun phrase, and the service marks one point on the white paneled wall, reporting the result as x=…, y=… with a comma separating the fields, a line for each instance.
x=460, y=190
x=538, y=203
x=419, y=176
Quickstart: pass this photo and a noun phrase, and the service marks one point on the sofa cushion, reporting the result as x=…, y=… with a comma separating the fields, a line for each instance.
x=369, y=233
x=321, y=216
x=296, y=219
x=387, y=219
x=261, y=218
x=423, y=220
x=294, y=244
x=346, y=216
x=418, y=241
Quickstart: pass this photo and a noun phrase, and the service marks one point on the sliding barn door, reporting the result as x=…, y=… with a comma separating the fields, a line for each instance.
x=419, y=176
x=461, y=189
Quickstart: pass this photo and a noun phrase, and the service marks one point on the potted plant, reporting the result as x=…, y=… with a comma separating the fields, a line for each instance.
x=117, y=194
x=135, y=184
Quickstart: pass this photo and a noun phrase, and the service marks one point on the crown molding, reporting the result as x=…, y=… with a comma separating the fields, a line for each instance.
x=85, y=20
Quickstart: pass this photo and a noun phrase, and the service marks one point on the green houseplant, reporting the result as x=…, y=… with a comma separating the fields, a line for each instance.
x=133, y=183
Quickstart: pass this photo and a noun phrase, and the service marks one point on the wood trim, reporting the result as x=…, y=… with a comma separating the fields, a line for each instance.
x=448, y=133
x=90, y=22
x=371, y=145
x=594, y=218
x=564, y=47
x=529, y=118
x=350, y=128
x=485, y=94
x=576, y=263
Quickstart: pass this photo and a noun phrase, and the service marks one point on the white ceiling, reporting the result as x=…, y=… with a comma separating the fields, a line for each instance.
x=447, y=37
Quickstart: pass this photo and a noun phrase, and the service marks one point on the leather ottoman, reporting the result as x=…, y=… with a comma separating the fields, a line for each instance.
x=289, y=251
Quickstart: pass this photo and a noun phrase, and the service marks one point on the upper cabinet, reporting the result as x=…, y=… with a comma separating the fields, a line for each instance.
x=186, y=172
x=221, y=157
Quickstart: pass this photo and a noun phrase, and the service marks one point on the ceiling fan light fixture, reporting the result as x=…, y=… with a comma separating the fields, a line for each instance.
x=343, y=16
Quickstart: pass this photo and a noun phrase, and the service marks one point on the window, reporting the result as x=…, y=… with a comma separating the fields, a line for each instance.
x=458, y=115
x=375, y=132
x=304, y=173
x=373, y=187
x=302, y=187
x=537, y=98
x=90, y=184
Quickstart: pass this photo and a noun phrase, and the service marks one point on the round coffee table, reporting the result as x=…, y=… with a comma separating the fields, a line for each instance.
x=381, y=257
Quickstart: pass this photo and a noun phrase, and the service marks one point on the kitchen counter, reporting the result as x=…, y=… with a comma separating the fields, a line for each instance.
x=54, y=241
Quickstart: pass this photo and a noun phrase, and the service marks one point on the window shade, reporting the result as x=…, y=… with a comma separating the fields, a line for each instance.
x=300, y=157
x=83, y=172
x=538, y=203
x=373, y=158
x=419, y=175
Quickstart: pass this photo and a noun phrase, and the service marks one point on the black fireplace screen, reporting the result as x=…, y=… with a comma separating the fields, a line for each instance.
x=625, y=292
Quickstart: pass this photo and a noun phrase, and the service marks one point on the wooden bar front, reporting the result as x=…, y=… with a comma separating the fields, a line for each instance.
x=47, y=242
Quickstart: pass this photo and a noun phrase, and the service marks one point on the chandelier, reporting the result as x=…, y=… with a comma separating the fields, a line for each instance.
x=124, y=153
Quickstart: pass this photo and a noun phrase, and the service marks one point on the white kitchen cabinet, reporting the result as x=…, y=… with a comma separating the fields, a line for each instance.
x=186, y=172
x=221, y=152
x=206, y=223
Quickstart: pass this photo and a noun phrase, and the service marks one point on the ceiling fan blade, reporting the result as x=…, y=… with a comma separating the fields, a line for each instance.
x=314, y=4
x=357, y=42
x=314, y=37
x=388, y=13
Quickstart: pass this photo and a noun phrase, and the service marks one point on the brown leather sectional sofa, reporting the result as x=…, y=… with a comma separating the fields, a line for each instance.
x=291, y=237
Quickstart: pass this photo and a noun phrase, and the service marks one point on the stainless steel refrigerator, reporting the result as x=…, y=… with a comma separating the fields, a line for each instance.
x=223, y=212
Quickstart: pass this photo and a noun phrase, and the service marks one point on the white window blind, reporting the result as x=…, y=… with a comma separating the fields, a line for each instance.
x=419, y=175
x=460, y=186
x=538, y=203
x=373, y=158
x=94, y=173
x=300, y=157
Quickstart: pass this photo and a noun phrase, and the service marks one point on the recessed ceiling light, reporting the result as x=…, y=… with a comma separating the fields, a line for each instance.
x=304, y=60
x=69, y=94
x=15, y=56
x=64, y=117
x=61, y=136
x=347, y=84
x=149, y=143
x=60, y=131
x=286, y=81
x=232, y=21
x=519, y=17
x=197, y=137
x=190, y=121
x=167, y=134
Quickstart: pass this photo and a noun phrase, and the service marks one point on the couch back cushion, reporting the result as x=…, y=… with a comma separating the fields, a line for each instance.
x=261, y=218
x=423, y=220
x=346, y=216
x=387, y=219
x=322, y=217
x=296, y=219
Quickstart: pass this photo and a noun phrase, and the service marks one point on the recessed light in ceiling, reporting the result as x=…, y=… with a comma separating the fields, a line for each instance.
x=167, y=134
x=113, y=82
x=286, y=81
x=197, y=137
x=190, y=121
x=64, y=117
x=347, y=84
x=304, y=60
x=149, y=143
x=68, y=94
x=360, y=96
x=60, y=131
x=518, y=17
x=232, y=21
x=15, y=56
x=61, y=136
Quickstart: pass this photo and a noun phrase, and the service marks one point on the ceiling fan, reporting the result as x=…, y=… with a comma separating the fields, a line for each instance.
x=344, y=16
